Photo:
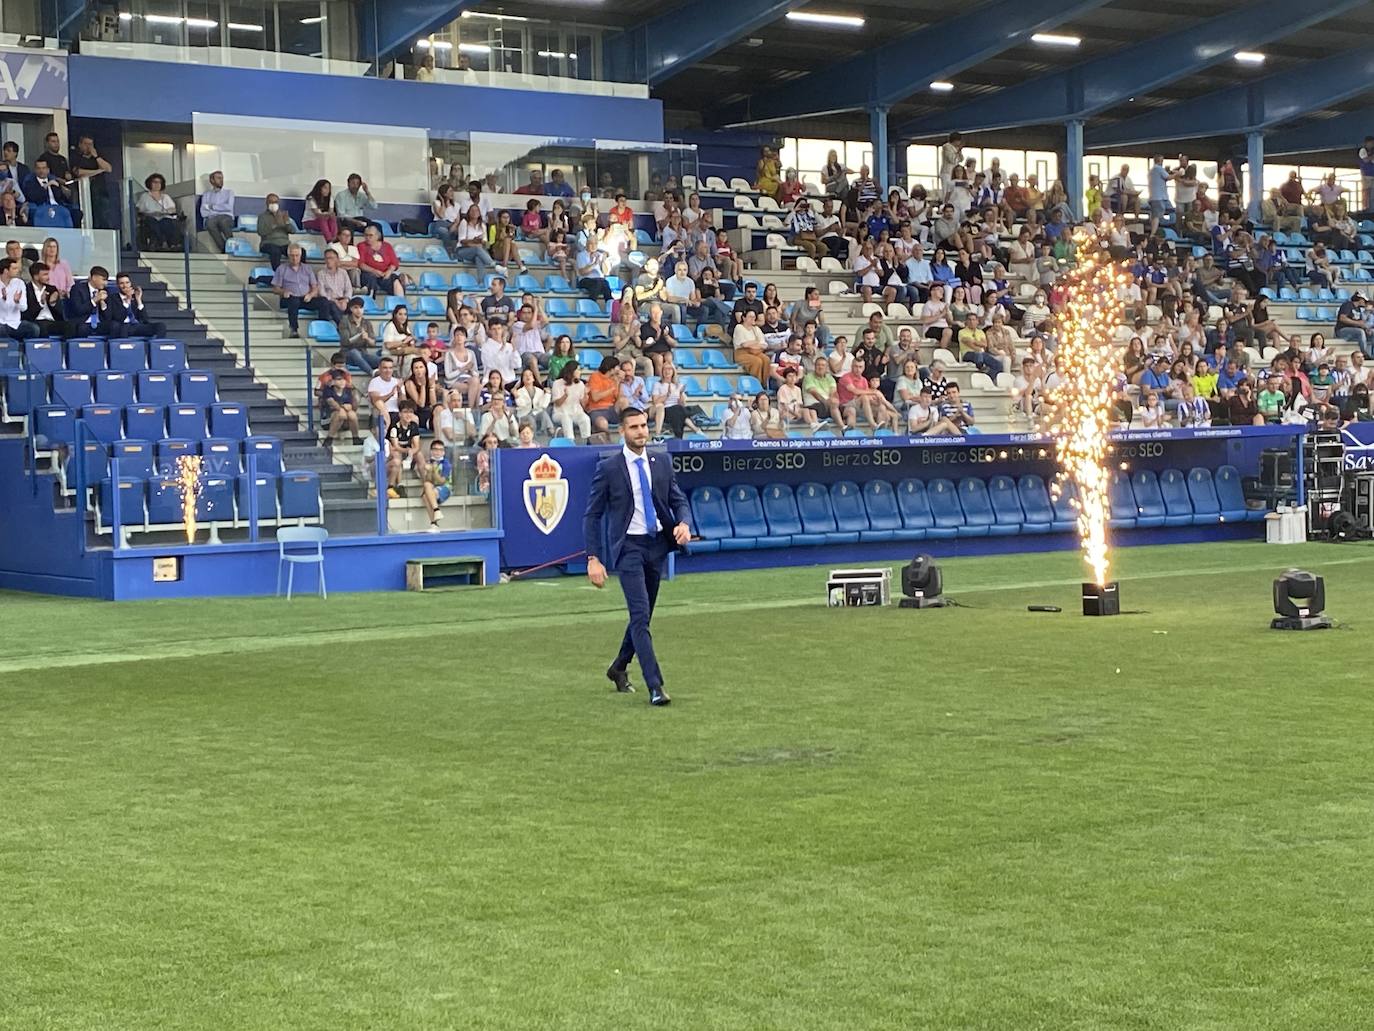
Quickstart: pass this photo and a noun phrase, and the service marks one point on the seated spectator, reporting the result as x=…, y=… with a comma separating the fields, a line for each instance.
x=422, y=391
x=802, y=223
x=398, y=338
x=528, y=332
x=471, y=239
x=159, y=215
x=274, y=231
x=532, y=223
x=44, y=305
x=384, y=393
x=335, y=286
x=319, y=210
x=499, y=354
x=45, y=189
x=13, y=212
x=535, y=187
x=857, y=397
x=294, y=282
x=217, y=211
x=500, y=421
x=820, y=392
x=767, y=179
x=501, y=242
x=347, y=251
x=569, y=396
x=339, y=406
x=751, y=350
x=378, y=267
x=351, y=208
x=355, y=333
x=1353, y=323
x=14, y=302
x=603, y=389
x=403, y=449
x=973, y=342
x=126, y=315
x=557, y=186
x=532, y=403
x=454, y=425
x=13, y=172
x=590, y=275
x=956, y=415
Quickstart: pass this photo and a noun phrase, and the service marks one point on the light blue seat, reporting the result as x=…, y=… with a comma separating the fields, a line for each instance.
x=851, y=515
x=1231, y=497
x=1178, y=508
x=1120, y=502
x=746, y=515
x=1203, y=494
x=818, y=516
x=323, y=331
x=300, y=545
x=714, y=359
x=780, y=509
x=1035, y=505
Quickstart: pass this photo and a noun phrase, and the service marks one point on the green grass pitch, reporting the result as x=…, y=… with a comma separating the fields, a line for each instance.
x=432, y=811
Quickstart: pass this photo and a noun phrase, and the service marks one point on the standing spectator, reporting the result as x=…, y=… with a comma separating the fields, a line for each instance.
x=127, y=316
x=217, y=210
x=294, y=282
x=52, y=154
x=14, y=302
x=557, y=186
x=535, y=187
x=319, y=210
x=835, y=175
x=89, y=165
x=532, y=403
x=378, y=266
x=44, y=188
x=274, y=231
x=159, y=214
x=351, y=207
x=9, y=156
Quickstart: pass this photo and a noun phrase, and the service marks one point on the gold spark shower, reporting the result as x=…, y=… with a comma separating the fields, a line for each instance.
x=188, y=480
x=1078, y=409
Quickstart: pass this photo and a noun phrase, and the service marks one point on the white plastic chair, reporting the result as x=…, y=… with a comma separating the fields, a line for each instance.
x=309, y=542
x=898, y=310
x=715, y=182
x=831, y=264
x=741, y=185
x=744, y=201
x=776, y=241
x=871, y=308
x=772, y=222
x=805, y=264
x=767, y=203
x=747, y=222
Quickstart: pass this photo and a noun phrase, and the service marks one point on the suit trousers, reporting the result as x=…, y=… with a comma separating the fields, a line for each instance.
x=640, y=569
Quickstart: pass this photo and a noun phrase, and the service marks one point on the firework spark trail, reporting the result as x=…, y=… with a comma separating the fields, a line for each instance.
x=1078, y=409
x=188, y=481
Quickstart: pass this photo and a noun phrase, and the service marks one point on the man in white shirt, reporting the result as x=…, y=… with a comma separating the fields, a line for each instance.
x=384, y=391
x=1160, y=178
x=14, y=300
x=217, y=210
x=527, y=333
x=500, y=354
x=1122, y=193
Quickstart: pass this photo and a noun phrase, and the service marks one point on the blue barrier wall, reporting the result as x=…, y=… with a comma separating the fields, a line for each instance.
x=541, y=495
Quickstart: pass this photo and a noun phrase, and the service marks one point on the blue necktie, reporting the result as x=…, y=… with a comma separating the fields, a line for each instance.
x=646, y=492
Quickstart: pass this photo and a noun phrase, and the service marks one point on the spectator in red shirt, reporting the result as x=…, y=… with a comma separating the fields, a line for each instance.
x=535, y=187
x=857, y=397
x=620, y=213
x=378, y=266
x=792, y=187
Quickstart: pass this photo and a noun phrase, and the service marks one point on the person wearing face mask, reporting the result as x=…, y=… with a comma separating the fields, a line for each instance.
x=274, y=230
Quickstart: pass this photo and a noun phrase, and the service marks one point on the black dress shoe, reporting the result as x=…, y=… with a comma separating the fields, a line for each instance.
x=658, y=696
x=621, y=679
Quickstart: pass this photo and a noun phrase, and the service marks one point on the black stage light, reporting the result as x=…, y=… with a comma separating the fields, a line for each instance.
x=922, y=584
x=1299, y=598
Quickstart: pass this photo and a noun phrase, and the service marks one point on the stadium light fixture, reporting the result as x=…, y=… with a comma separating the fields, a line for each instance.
x=238, y=26
x=939, y=86
x=1249, y=57
x=847, y=21
x=1055, y=39
x=1299, y=598
x=163, y=19
x=201, y=23
x=493, y=17
x=474, y=48
x=313, y=21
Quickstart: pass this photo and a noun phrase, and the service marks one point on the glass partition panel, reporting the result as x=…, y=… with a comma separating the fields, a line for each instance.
x=641, y=169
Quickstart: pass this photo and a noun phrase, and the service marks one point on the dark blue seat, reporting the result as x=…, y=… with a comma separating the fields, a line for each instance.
x=165, y=501
x=220, y=455
x=54, y=425
x=156, y=388
x=145, y=422
x=300, y=495
x=880, y=501
x=817, y=515
x=229, y=420
x=132, y=499
x=85, y=355
x=847, y=502
x=698, y=544
x=1120, y=502
x=166, y=354
x=24, y=391
x=1173, y=488
x=1065, y=506
x=266, y=493
x=133, y=458
x=43, y=355
x=1035, y=504
x=266, y=451
x=128, y=355
x=113, y=388
x=946, y=510
x=195, y=387
x=215, y=499
x=1203, y=495
x=11, y=352
x=105, y=422
x=1149, y=504
x=713, y=519
x=168, y=451
x=1231, y=497
x=96, y=462
x=1006, y=506
x=186, y=421
x=746, y=514
x=70, y=388
x=780, y=509
x=913, y=502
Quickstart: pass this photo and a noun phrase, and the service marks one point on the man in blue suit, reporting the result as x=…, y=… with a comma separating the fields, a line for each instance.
x=635, y=516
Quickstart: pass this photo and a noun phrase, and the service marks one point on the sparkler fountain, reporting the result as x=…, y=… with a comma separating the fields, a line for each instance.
x=188, y=479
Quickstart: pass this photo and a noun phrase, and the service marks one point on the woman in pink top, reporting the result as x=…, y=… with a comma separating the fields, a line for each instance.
x=59, y=272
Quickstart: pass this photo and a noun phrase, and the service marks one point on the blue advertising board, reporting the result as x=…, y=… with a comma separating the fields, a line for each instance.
x=34, y=79
x=541, y=494
x=1358, y=438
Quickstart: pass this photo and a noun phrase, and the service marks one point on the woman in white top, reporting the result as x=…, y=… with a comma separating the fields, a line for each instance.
x=865, y=265
x=790, y=400
x=765, y=420
x=446, y=212
x=319, y=210
x=693, y=213
x=159, y=214
x=460, y=370
x=398, y=339
x=532, y=403
x=347, y=251
x=568, y=394
x=471, y=237
x=1185, y=189
x=738, y=423
x=840, y=359
x=751, y=349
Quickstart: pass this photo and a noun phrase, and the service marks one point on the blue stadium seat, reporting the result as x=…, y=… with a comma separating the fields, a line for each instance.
x=719, y=385
x=220, y=455
x=133, y=457
x=1303, y=313
x=586, y=306
x=156, y=388
x=556, y=306
x=1231, y=497
x=70, y=388
x=589, y=360
x=1035, y=504
x=913, y=503
x=946, y=511
x=433, y=281
x=558, y=284
x=132, y=498
x=817, y=515
x=685, y=359
x=24, y=391
x=266, y=450
x=95, y=465
x=50, y=216
x=851, y=516
x=1120, y=502
x=300, y=495
x=780, y=509
x=215, y=499
x=683, y=334
x=712, y=520
x=195, y=387
x=1149, y=504
x=166, y=354
x=1006, y=507
x=1203, y=495
x=746, y=515
x=266, y=495
x=714, y=359
x=167, y=452
x=229, y=420
x=391, y=302
x=1173, y=488
x=526, y=283
x=113, y=388
x=880, y=506
x=54, y=424
x=43, y=355
x=86, y=355
x=322, y=331
x=562, y=442
x=260, y=275
x=1287, y=293
x=466, y=282
x=105, y=422
x=11, y=352
x=186, y=421
x=589, y=333
x=145, y=422
x=128, y=355
x=436, y=255
x=691, y=385
x=165, y=501
x=979, y=520
x=432, y=307
x=1062, y=504
x=371, y=308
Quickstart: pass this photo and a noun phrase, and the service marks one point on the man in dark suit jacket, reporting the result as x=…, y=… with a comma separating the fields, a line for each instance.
x=126, y=314
x=44, y=303
x=88, y=305
x=634, y=539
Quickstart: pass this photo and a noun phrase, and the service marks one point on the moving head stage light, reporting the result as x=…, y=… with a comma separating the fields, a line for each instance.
x=922, y=584
x=1299, y=598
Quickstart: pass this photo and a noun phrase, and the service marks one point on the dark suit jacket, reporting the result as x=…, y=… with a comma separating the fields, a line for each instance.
x=116, y=311
x=37, y=193
x=79, y=302
x=31, y=312
x=611, y=505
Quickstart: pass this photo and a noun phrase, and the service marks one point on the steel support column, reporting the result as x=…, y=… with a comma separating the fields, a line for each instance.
x=1073, y=175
